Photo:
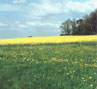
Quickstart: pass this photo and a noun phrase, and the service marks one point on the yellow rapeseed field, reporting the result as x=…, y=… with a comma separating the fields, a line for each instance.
x=52, y=39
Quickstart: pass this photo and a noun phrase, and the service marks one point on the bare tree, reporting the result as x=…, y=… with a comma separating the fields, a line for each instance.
x=66, y=27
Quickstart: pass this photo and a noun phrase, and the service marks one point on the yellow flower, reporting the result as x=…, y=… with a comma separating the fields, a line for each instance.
x=95, y=73
x=73, y=70
x=32, y=60
x=86, y=65
x=91, y=85
x=52, y=39
x=37, y=62
x=83, y=78
x=59, y=70
x=54, y=59
x=90, y=77
x=67, y=73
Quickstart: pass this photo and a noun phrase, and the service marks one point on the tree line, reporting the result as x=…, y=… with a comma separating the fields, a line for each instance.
x=84, y=26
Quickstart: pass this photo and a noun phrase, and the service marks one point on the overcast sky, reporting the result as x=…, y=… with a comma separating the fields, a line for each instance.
x=22, y=18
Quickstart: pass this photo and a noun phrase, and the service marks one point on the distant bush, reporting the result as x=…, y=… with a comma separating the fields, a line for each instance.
x=29, y=36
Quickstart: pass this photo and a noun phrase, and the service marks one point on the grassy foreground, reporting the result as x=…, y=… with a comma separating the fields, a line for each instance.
x=49, y=66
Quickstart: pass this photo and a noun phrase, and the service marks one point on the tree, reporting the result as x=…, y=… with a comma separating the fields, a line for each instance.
x=85, y=26
x=93, y=18
x=74, y=30
x=66, y=27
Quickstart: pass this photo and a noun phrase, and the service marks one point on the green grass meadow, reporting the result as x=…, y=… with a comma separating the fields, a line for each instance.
x=49, y=66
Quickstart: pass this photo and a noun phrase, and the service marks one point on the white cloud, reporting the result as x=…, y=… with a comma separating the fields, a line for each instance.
x=22, y=26
x=17, y=25
x=37, y=23
x=8, y=7
x=3, y=24
x=39, y=10
x=19, y=1
x=49, y=7
x=93, y=3
x=82, y=6
x=14, y=7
